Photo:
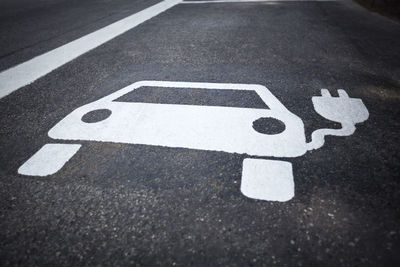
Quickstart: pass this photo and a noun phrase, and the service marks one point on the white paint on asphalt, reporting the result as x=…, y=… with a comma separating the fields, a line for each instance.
x=49, y=159
x=31, y=70
x=343, y=109
x=215, y=128
x=250, y=1
x=270, y=180
x=228, y=129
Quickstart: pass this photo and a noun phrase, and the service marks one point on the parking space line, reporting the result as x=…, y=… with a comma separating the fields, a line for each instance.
x=245, y=1
x=31, y=70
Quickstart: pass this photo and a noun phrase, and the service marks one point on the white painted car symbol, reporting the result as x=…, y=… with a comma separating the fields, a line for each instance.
x=227, y=129
x=216, y=128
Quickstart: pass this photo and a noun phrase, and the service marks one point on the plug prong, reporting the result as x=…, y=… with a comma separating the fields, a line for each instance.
x=342, y=93
x=325, y=93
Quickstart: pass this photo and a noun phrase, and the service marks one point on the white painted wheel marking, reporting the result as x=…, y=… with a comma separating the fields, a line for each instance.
x=49, y=159
x=270, y=180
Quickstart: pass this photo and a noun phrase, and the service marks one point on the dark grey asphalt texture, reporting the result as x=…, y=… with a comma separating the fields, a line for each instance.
x=118, y=204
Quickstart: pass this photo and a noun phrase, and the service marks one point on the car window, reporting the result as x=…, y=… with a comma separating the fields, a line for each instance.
x=189, y=96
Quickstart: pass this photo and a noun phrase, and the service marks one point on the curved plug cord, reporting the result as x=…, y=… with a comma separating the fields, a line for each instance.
x=318, y=136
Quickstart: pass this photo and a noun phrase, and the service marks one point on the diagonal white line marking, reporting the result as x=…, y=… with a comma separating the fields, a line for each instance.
x=246, y=1
x=31, y=70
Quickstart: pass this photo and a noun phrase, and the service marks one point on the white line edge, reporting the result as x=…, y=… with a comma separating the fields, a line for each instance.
x=250, y=1
x=25, y=73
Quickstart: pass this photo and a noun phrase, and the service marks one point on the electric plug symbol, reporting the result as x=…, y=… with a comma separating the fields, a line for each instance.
x=343, y=109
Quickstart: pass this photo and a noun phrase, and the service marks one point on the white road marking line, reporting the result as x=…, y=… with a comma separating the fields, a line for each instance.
x=270, y=180
x=49, y=159
x=31, y=70
x=249, y=1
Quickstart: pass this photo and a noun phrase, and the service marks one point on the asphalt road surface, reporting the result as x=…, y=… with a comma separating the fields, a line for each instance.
x=116, y=203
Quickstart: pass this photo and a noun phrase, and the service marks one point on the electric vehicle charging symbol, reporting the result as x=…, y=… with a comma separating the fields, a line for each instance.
x=214, y=128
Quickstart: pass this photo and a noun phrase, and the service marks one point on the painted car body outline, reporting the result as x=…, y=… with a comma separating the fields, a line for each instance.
x=214, y=128
x=224, y=126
